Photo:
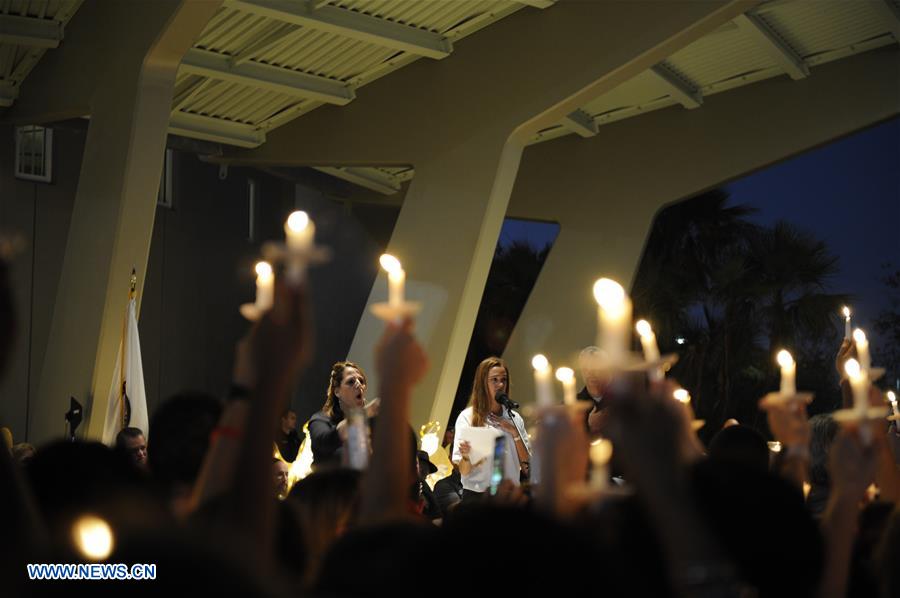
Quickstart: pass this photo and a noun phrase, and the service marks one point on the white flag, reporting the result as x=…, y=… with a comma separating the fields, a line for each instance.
x=134, y=396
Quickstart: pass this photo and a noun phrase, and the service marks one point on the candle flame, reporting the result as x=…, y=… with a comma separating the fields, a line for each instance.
x=609, y=294
x=564, y=374
x=891, y=396
x=785, y=359
x=390, y=263
x=263, y=269
x=93, y=537
x=643, y=328
x=846, y=311
x=774, y=446
x=601, y=451
x=852, y=368
x=298, y=221
x=859, y=336
x=539, y=362
x=682, y=395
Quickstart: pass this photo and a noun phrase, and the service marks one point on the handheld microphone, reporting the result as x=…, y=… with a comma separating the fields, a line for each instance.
x=503, y=399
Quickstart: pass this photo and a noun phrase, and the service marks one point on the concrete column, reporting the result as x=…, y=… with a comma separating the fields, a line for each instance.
x=607, y=189
x=463, y=124
x=115, y=203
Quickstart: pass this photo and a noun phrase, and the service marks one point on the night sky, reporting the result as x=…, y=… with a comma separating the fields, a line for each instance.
x=846, y=193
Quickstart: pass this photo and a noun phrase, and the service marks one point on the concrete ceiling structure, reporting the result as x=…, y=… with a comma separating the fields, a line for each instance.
x=28, y=29
x=534, y=116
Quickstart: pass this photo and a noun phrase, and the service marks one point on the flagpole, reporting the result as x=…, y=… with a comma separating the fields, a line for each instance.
x=131, y=292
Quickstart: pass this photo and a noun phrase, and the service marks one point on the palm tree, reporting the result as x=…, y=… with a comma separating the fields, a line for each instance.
x=736, y=292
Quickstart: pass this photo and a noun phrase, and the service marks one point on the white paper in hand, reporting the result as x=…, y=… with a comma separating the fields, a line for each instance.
x=481, y=441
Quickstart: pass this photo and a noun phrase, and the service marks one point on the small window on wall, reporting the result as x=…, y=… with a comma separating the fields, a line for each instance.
x=165, y=197
x=34, y=153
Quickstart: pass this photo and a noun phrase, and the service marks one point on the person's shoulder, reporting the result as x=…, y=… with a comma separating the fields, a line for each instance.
x=319, y=416
x=465, y=416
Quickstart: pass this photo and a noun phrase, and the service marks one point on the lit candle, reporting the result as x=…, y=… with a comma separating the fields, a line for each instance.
x=651, y=350
x=92, y=537
x=567, y=377
x=265, y=286
x=862, y=349
x=299, y=230
x=859, y=382
x=893, y=399
x=682, y=395
x=601, y=452
x=543, y=385
x=788, y=374
x=847, y=329
x=396, y=279
x=614, y=314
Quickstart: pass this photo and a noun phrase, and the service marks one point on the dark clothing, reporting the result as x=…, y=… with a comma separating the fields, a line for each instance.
x=470, y=496
x=289, y=445
x=448, y=492
x=327, y=447
x=584, y=395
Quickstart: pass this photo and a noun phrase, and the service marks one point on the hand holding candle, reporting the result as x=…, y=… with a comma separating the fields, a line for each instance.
x=788, y=374
x=543, y=385
x=567, y=377
x=614, y=315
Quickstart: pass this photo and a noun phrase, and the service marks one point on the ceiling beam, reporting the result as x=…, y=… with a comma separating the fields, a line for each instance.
x=678, y=90
x=8, y=94
x=581, y=123
x=197, y=126
x=29, y=31
x=537, y=3
x=264, y=76
x=364, y=177
x=890, y=14
x=790, y=61
x=350, y=24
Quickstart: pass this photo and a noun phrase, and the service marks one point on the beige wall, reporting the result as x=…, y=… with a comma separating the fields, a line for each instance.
x=39, y=213
x=604, y=191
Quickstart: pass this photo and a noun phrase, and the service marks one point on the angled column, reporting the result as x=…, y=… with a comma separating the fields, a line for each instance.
x=464, y=127
x=606, y=190
x=115, y=202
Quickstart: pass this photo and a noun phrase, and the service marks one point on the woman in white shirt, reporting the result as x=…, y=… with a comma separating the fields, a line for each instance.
x=491, y=379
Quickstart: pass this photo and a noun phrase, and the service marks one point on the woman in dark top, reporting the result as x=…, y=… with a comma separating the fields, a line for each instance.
x=328, y=427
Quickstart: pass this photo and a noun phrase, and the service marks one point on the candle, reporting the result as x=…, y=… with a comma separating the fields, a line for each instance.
x=600, y=452
x=859, y=382
x=682, y=395
x=788, y=374
x=93, y=537
x=543, y=385
x=299, y=230
x=651, y=350
x=396, y=279
x=265, y=286
x=567, y=377
x=862, y=349
x=846, y=312
x=614, y=315
x=893, y=399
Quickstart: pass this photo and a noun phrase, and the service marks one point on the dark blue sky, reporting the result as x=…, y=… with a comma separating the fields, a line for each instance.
x=846, y=193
